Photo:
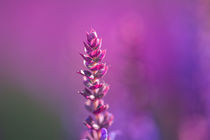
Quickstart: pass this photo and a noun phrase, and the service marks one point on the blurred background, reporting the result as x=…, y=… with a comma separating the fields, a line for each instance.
x=159, y=57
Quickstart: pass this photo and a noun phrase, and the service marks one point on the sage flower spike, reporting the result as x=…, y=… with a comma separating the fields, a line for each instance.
x=95, y=89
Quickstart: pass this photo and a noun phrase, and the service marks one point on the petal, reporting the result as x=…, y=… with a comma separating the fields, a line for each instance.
x=89, y=64
x=93, y=42
x=86, y=92
x=87, y=48
x=88, y=122
x=98, y=43
x=86, y=58
x=86, y=73
x=96, y=86
x=95, y=53
x=97, y=67
x=100, y=57
x=101, y=109
x=108, y=120
x=104, y=134
x=101, y=72
x=102, y=91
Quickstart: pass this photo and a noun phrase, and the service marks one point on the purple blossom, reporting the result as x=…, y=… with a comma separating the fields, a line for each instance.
x=104, y=134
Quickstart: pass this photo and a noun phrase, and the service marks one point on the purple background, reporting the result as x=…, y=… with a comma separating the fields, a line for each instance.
x=158, y=52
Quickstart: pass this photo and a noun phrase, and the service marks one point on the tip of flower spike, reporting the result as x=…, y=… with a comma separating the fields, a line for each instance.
x=91, y=35
x=92, y=30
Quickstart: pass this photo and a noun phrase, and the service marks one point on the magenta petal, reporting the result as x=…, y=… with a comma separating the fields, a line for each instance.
x=101, y=56
x=91, y=35
x=96, y=86
x=93, y=42
x=89, y=64
x=101, y=72
x=88, y=83
x=97, y=67
x=103, y=53
x=95, y=53
x=105, y=89
x=100, y=109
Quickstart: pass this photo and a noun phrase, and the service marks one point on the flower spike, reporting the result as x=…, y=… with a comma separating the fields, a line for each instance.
x=95, y=89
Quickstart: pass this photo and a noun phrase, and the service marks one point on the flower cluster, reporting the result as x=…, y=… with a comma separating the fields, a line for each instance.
x=95, y=89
